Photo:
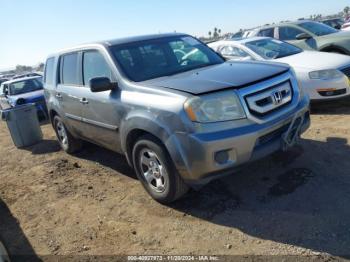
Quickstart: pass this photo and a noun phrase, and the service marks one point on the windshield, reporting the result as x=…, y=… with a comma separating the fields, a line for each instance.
x=150, y=59
x=272, y=48
x=25, y=86
x=318, y=28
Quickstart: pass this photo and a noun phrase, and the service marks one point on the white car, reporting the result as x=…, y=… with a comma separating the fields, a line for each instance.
x=321, y=75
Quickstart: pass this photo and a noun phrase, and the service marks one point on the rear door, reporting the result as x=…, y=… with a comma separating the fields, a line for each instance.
x=69, y=91
x=102, y=111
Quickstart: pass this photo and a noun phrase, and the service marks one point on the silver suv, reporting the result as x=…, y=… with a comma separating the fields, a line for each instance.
x=181, y=114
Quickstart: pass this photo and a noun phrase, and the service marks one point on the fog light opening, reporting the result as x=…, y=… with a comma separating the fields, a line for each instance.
x=222, y=157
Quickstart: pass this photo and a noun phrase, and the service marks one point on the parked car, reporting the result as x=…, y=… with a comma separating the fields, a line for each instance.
x=179, y=121
x=308, y=35
x=2, y=80
x=322, y=75
x=23, y=91
x=336, y=23
x=26, y=75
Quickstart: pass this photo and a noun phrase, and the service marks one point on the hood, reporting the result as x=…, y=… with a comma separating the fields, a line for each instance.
x=233, y=74
x=316, y=60
x=345, y=35
x=29, y=97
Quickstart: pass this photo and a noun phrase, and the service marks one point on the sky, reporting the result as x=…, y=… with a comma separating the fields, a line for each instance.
x=32, y=29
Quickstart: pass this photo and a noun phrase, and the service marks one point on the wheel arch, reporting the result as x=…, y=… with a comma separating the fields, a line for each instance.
x=137, y=127
x=52, y=114
x=335, y=48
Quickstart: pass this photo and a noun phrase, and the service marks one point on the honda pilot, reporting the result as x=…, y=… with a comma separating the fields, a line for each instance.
x=177, y=110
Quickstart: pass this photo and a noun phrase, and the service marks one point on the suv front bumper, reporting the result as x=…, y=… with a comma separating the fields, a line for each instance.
x=202, y=157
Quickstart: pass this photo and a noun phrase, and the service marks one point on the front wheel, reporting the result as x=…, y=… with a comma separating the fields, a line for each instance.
x=156, y=171
x=67, y=142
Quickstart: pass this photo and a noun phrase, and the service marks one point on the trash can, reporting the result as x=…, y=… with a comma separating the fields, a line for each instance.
x=23, y=124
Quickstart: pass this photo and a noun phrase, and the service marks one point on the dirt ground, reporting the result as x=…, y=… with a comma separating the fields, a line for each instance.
x=294, y=203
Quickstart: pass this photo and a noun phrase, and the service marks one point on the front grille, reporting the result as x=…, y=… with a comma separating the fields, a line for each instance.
x=346, y=71
x=271, y=99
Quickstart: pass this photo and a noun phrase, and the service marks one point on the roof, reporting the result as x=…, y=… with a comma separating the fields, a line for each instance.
x=133, y=39
x=119, y=41
x=286, y=23
x=242, y=40
x=21, y=79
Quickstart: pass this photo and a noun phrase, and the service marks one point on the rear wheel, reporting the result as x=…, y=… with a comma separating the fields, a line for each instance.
x=155, y=170
x=67, y=142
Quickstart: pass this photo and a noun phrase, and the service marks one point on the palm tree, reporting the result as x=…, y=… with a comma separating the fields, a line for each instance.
x=215, y=33
x=209, y=33
x=219, y=31
x=346, y=10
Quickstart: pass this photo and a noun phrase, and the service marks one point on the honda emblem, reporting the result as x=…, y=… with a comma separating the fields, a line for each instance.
x=277, y=97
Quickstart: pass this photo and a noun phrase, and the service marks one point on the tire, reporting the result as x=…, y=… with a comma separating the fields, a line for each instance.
x=163, y=182
x=67, y=142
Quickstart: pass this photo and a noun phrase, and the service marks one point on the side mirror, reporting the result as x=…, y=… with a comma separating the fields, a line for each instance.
x=303, y=36
x=100, y=84
x=338, y=27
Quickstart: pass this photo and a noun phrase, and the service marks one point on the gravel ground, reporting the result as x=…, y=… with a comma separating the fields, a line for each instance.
x=294, y=203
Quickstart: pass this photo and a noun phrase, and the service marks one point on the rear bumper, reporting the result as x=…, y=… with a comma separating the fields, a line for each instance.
x=196, y=155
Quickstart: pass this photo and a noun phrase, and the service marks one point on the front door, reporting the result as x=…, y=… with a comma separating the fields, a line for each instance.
x=101, y=114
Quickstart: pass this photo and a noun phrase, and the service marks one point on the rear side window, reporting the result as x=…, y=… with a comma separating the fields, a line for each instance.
x=69, y=69
x=269, y=32
x=49, y=71
x=95, y=65
x=289, y=33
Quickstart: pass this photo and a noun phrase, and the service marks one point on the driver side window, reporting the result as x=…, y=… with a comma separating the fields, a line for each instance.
x=288, y=33
x=95, y=65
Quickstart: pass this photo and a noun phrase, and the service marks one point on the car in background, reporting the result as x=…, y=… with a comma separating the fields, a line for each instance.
x=2, y=80
x=180, y=114
x=22, y=91
x=321, y=75
x=26, y=75
x=336, y=23
x=308, y=35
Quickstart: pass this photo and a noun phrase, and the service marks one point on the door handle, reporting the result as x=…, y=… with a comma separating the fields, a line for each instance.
x=58, y=95
x=83, y=100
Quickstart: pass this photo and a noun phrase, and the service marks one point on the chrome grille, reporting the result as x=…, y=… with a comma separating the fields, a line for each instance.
x=268, y=100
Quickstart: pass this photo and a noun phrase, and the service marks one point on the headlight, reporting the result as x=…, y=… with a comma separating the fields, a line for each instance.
x=217, y=107
x=326, y=74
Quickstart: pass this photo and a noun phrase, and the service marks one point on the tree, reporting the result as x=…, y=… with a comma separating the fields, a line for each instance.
x=346, y=10
x=219, y=31
x=216, y=35
x=20, y=69
x=40, y=67
x=209, y=33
